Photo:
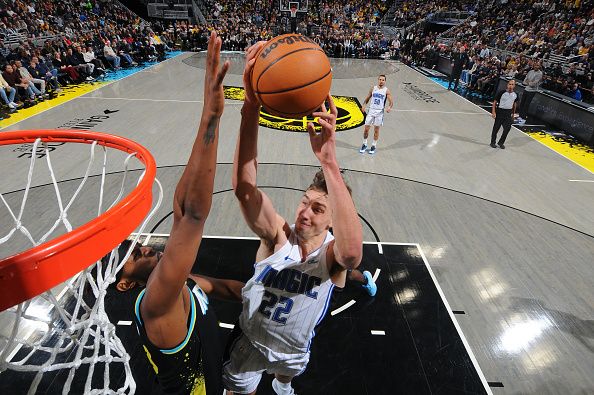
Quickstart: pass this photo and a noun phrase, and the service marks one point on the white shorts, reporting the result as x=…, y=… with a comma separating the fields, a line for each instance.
x=244, y=365
x=374, y=119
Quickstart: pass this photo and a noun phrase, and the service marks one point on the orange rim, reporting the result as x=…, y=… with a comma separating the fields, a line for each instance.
x=38, y=269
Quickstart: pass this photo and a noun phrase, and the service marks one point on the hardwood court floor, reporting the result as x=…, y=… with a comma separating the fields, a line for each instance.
x=507, y=233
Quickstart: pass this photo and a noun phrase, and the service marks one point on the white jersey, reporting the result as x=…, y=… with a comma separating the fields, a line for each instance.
x=378, y=100
x=286, y=299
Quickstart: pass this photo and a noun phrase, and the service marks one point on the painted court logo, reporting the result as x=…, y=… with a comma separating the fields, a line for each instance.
x=349, y=114
x=418, y=94
x=26, y=150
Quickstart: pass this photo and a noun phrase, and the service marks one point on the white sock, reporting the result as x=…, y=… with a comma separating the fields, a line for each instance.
x=284, y=388
x=365, y=141
x=374, y=143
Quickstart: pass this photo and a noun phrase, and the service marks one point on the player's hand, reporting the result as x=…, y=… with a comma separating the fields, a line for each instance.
x=388, y=109
x=323, y=143
x=493, y=115
x=250, y=59
x=363, y=109
x=214, y=97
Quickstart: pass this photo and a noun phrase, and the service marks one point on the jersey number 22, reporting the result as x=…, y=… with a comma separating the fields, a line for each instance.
x=282, y=306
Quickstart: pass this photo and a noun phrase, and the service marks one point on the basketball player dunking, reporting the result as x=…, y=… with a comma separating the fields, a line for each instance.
x=375, y=115
x=178, y=330
x=297, y=266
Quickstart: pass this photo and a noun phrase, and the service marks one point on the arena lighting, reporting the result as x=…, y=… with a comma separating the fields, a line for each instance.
x=520, y=336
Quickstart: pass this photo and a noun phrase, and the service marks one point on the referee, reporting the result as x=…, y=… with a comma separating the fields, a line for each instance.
x=504, y=107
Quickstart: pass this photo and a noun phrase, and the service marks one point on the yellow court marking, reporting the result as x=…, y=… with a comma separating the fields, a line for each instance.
x=578, y=153
x=69, y=93
x=349, y=114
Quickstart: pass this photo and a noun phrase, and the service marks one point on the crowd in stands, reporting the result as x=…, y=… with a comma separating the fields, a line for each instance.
x=342, y=29
x=410, y=12
x=505, y=39
x=45, y=45
x=532, y=29
x=72, y=41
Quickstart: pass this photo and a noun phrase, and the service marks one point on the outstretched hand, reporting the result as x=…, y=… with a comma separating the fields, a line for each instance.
x=323, y=143
x=214, y=97
x=250, y=59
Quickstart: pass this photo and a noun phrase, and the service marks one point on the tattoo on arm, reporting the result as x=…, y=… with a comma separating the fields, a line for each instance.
x=209, y=136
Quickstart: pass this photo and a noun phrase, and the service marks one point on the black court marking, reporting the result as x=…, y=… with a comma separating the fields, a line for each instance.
x=495, y=384
x=458, y=312
x=420, y=353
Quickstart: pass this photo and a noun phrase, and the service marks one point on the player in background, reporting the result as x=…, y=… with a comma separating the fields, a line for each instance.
x=378, y=94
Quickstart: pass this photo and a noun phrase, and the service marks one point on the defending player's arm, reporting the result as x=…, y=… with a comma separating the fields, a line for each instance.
x=219, y=288
x=364, y=105
x=390, y=100
x=256, y=207
x=494, y=108
x=191, y=202
x=348, y=233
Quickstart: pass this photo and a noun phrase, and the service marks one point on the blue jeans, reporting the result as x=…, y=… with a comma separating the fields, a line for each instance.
x=114, y=59
x=128, y=58
x=33, y=89
x=8, y=99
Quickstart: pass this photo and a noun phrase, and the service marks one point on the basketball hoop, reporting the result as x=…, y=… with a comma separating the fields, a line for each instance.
x=293, y=11
x=55, y=261
x=29, y=279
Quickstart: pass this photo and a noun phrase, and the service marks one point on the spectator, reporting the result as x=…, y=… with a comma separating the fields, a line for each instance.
x=13, y=78
x=532, y=83
x=65, y=68
x=89, y=67
x=26, y=76
x=111, y=56
x=89, y=57
x=123, y=49
x=40, y=71
x=575, y=92
x=4, y=88
x=82, y=68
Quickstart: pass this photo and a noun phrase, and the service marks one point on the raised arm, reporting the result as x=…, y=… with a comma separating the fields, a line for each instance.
x=192, y=198
x=256, y=207
x=348, y=233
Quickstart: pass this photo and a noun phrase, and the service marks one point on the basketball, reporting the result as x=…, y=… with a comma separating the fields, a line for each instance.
x=291, y=76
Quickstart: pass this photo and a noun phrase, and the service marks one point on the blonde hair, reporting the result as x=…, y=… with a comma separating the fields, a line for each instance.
x=319, y=183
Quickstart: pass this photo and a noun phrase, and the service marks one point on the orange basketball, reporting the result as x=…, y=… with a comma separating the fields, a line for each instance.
x=291, y=76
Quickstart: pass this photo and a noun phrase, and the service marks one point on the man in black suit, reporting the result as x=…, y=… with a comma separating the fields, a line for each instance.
x=459, y=59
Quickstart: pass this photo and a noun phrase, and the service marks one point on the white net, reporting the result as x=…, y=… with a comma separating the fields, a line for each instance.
x=67, y=328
